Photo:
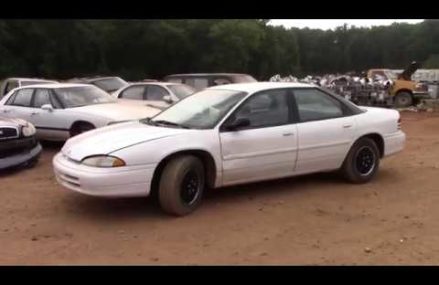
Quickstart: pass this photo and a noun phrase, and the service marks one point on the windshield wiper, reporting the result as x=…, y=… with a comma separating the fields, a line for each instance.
x=164, y=122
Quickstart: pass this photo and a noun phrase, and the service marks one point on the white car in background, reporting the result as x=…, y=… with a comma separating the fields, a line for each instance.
x=228, y=135
x=156, y=94
x=109, y=84
x=59, y=111
x=14, y=82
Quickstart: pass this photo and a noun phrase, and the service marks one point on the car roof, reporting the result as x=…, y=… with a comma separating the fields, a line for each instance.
x=208, y=74
x=30, y=79
x=92, y=79
x=155, y=83
x=259, y=86
x=55, y=85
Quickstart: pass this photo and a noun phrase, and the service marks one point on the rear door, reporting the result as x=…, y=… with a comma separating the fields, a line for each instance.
x=155, y=96
x=325, y=130
x=19, y=104
x=134, y=94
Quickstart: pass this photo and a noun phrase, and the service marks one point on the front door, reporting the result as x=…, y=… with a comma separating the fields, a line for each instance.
x=265, y=149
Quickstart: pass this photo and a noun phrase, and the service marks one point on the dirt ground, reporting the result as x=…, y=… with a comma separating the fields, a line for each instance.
x=315, y=219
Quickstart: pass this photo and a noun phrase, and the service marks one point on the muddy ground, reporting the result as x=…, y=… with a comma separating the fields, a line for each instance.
x=315, y=219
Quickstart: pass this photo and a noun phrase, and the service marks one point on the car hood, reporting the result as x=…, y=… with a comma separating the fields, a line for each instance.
x=118, y=111
x=115, y=137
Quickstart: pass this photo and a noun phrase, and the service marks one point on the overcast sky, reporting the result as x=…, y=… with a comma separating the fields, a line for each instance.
x=332, y=24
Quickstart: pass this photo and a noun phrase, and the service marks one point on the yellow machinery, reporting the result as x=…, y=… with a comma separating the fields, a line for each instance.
x=403, y=91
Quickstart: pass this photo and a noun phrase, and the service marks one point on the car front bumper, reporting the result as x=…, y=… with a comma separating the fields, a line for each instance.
x=126, y=181
x=394, y=143
x=20, y=158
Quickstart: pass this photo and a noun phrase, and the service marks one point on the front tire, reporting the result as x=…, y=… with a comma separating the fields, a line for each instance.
x=362, y=161
x=181, y=185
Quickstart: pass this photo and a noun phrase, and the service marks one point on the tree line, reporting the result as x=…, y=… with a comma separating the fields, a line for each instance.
x=139, y=49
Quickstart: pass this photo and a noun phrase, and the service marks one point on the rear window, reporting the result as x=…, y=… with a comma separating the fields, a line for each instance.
x=110, y=84
x=244, y=78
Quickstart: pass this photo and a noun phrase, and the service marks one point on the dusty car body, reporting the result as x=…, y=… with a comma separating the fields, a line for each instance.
x=227, y=135
x=200, y=81
x=18, y=145
x=62, y=110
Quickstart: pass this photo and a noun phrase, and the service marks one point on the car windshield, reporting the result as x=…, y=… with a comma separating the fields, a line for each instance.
x=72, y=97
x=181, y=90
x=202, y=110
x=110, y=84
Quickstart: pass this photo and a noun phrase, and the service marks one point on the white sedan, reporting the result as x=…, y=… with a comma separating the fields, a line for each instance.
x=155, y=94
x=59, y=110
x=227, y=135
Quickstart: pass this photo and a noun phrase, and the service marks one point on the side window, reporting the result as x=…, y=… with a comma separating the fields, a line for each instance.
x=133, y=93
x=175, y=80
x=156, y=93
x=221, y=81
x=315, y=105
x=22, y=98
x=197, y=83
x=41, y=97
x=265, y=109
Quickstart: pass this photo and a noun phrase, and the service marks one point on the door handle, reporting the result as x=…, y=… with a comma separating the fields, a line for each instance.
x=6, y=111
x=34, y=113
x=347, y=126
x=287, y=134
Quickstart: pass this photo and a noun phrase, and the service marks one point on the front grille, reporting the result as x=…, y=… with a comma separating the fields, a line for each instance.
x=8, y=133
x=16, y=146
x=69, y=179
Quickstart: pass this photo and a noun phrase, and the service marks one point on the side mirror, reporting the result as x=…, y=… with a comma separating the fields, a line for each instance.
x=47, y=107
x=168, y=99
x=237, y=124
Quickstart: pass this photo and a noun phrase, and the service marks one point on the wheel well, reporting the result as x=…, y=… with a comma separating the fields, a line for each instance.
x=77, y=123
x=378, y=139
x=204, y=156
x=405, y=90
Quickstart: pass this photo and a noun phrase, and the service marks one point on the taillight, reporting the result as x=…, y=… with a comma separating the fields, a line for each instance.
x=399, y=123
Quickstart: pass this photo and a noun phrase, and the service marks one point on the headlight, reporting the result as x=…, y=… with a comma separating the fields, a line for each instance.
x=103, y=161
x=28, y=130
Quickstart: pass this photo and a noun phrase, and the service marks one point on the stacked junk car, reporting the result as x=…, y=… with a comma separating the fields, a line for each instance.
x=378, y=87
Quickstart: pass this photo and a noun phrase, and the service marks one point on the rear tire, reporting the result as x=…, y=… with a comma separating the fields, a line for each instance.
x=181, y=185
x=362, y=161
x=79, y=128
x=403, y=100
